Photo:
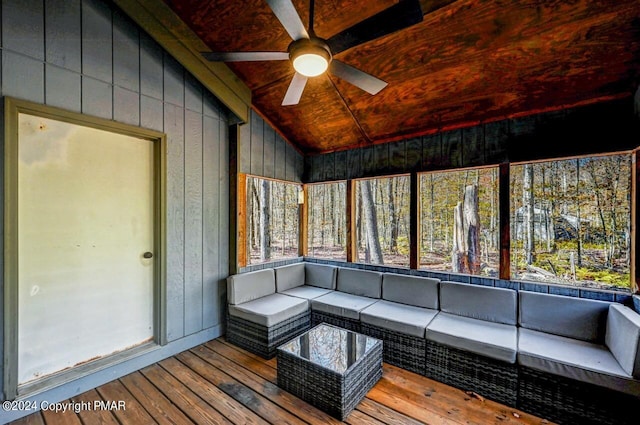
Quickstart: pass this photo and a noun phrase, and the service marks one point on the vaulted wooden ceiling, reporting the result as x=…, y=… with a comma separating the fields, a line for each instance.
x=469, y=61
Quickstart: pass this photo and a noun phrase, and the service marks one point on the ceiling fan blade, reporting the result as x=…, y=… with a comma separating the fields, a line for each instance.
x=360, y=79
x=289, y=18
x=294, y=92
x=397, y=17
x=245, y=56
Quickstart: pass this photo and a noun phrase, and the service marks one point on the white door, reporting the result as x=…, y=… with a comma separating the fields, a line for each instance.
x=86, y=221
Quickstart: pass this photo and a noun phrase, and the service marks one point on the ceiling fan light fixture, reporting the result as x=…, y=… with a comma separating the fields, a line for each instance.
x=310, y=64
x=310, y=57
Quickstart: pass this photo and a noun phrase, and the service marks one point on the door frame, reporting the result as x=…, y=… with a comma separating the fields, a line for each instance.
x=12, y=108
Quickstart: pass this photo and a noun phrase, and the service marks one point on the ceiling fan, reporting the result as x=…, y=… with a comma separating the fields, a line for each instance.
x=312, y=56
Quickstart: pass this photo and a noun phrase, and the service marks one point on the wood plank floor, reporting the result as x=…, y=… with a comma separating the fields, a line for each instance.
x=220, y=383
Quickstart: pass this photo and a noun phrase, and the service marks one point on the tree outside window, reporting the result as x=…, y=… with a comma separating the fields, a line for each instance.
x=570, y=221
x=382, y=220
x=272, y=220
x=327, y=231
x=459, y=221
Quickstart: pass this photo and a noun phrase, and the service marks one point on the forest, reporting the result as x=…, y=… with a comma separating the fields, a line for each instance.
x=570, y=221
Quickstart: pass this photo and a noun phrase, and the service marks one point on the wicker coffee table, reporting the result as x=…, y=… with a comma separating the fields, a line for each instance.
x=330, y=367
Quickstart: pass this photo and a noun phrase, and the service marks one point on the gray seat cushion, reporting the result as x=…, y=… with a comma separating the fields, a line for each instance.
x=398, y=317
x=320, y=275
x=342, y=304
x=576, y=318
x=479, y=302
x=412, y=290
x=250, y=286
x=270, y=310
x=290, y=276
x=572, y=358
x=360, y=282
x=494, y=340
x=623, y=338
x=307, y=292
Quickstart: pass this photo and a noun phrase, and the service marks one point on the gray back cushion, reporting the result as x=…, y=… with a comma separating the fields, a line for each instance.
x=360, y=282
x=497, y=305
x=576, y=318
x=250, y=286
x=412, y=290
x=623, y=338
x=290, y=276
x=320, y=275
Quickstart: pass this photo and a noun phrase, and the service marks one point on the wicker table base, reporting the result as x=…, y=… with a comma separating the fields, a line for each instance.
x=333, y=372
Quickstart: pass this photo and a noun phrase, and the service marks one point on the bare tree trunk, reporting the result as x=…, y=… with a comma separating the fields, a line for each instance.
x=371, y=223
x=458, y=257
x=466, y=256
x=545, y=209
x=579, y=224
x=393, y=221
x=472, y=227
x=528, y=201
x=431, y=212
x=265, y=242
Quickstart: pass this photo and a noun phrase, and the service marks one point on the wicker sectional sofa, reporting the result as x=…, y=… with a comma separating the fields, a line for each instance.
x=570, y=360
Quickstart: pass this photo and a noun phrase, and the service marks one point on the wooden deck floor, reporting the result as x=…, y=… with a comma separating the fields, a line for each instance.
x=220, y=383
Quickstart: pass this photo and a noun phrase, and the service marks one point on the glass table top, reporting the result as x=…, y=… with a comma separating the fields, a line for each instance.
x=331, y=347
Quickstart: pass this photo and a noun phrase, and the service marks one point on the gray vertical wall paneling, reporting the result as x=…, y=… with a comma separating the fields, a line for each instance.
x=126, y=53
x=317, y=167
x=290, y=174
x=63, y=34
x=63, y=88
x=244, y=150
x=211, y=107
x=97, y=98
x=223, y=219
x=299, y=166
x=151, y=68
x=174, y=128
x=2, y=246
x=431, y=151
x=413, y=154
x=23, y=49
x=329, y=166
x=473, y=146
x=268, y=151
x=173, y=81
x=16, y=69
x=73, y=69
x=281, y=156
x=211, y=219
x=381, y=157
x=23, y=27
x=452, y=149
x=354, y=163
x=341, y=165
x=257, y=145
x=496, y=135
x=192, y=94
x=126, y=106
x=63, y=49
x=97, y=38
x=126, y=70
x=397, y=157
x=151, y=113
x=368, y=168
x=193, y=239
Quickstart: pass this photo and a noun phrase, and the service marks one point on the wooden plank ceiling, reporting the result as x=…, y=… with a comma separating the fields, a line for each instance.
x=469, y=61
